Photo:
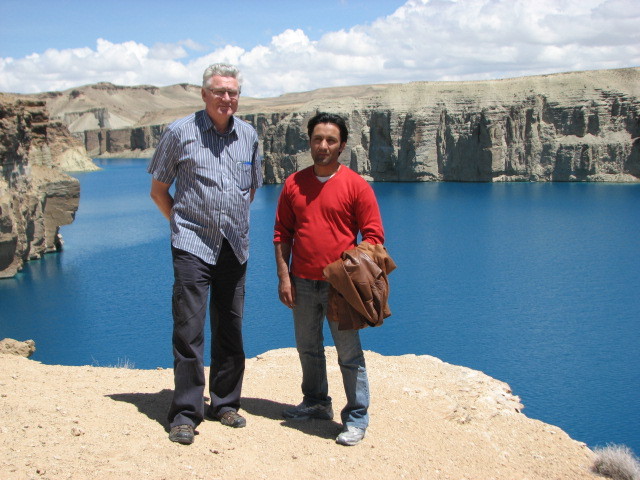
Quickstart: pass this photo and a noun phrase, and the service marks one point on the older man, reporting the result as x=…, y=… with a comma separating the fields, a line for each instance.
x=213, y=159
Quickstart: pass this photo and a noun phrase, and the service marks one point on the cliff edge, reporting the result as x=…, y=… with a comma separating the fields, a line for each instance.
x=36, y=196
x=429, y=420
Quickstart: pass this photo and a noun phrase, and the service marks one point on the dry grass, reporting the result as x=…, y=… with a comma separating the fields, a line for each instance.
x=617, y=462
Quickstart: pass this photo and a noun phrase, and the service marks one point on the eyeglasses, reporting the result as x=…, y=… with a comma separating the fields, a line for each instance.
x=220, y=93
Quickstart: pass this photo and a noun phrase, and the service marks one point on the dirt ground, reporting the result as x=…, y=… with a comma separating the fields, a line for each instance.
x=429, y=420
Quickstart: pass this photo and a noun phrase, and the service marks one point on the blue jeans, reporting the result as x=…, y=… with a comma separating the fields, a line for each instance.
x=308, y=318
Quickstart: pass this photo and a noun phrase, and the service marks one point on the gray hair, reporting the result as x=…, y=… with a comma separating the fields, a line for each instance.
x=222, y=70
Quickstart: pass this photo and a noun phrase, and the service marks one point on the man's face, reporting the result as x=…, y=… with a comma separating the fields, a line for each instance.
x=221, y=99
x=326, y=145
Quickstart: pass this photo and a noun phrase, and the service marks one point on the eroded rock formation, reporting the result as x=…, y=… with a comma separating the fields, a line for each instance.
x=36, y=196
x=569, y=127
x=580, y=126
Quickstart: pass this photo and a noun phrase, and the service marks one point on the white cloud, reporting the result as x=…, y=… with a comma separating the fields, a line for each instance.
x=422, y=40
x=128, y=63
x=292, y=42
x=190, y=44
x=353, y=42
x=167, y=51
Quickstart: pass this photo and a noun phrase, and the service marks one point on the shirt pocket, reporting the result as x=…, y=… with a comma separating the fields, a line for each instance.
x=242, y=175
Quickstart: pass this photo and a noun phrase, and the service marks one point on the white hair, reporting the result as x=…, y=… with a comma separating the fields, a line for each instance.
x=222, y=70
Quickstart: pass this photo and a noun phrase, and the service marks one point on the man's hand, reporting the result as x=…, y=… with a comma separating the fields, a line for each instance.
x=287, y=292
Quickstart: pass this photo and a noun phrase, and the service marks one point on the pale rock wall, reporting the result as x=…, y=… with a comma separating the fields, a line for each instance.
x=36, y=196
x=106, y=142
x=526, y=131
x=581, y=126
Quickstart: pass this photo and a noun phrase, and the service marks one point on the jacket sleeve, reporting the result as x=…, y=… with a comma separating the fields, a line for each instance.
x=359, y=287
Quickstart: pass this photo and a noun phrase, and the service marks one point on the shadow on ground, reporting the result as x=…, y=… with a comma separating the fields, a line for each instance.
x=155, y=406
x=273, y=410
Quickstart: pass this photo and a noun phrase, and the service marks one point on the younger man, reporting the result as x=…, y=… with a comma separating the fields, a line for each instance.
x=320, y=211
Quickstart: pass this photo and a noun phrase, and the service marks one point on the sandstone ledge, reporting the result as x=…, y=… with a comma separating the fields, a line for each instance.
x=429, y=419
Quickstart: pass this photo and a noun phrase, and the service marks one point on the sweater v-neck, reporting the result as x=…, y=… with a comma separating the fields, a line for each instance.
x=324, y=180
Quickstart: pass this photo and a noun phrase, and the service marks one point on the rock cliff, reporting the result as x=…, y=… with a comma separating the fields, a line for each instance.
x=580, y=126
x=36, y=196
x=566, y=127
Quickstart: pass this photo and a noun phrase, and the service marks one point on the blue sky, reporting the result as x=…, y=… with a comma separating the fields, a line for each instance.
x=285, y=45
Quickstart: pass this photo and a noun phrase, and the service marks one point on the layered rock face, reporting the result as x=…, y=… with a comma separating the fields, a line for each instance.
x=580, y=126
x=567, y=127
x=36, y=196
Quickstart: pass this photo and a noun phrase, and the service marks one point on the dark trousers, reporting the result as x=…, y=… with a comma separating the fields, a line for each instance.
x=194, y=281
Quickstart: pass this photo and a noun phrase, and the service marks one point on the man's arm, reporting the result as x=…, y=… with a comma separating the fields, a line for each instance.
x=256, y=166
x=161, y=197
x=368, y=217
x=286, y=290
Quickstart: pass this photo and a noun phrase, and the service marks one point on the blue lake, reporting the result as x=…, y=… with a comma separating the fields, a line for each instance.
x=537, y=285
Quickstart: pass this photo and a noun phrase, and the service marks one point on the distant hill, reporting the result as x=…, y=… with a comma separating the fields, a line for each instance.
x=104, y=105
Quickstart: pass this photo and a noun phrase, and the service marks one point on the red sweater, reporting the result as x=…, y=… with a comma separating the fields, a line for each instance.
x=322, y=220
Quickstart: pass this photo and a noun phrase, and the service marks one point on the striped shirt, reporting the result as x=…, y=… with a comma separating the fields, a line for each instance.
x=213, y=176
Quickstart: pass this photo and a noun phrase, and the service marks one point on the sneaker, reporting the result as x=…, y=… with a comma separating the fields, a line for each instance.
x=183, y=434
x=305, y=412
x=350, y=436
x=231, y=418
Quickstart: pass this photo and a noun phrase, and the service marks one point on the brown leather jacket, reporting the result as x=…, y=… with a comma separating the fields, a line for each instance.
x=359, y=291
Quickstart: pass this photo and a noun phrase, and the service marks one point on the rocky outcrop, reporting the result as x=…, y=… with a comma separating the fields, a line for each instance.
x=36, y=196
x=580, y=126
x=9, y=346
x=429, y=420
x=130, y=142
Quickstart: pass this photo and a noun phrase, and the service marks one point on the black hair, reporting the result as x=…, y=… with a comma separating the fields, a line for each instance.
x=323, y=117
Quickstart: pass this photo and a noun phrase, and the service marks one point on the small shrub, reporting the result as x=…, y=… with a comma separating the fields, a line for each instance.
x=122, y=363
x=126, y=363
x=617, y=462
